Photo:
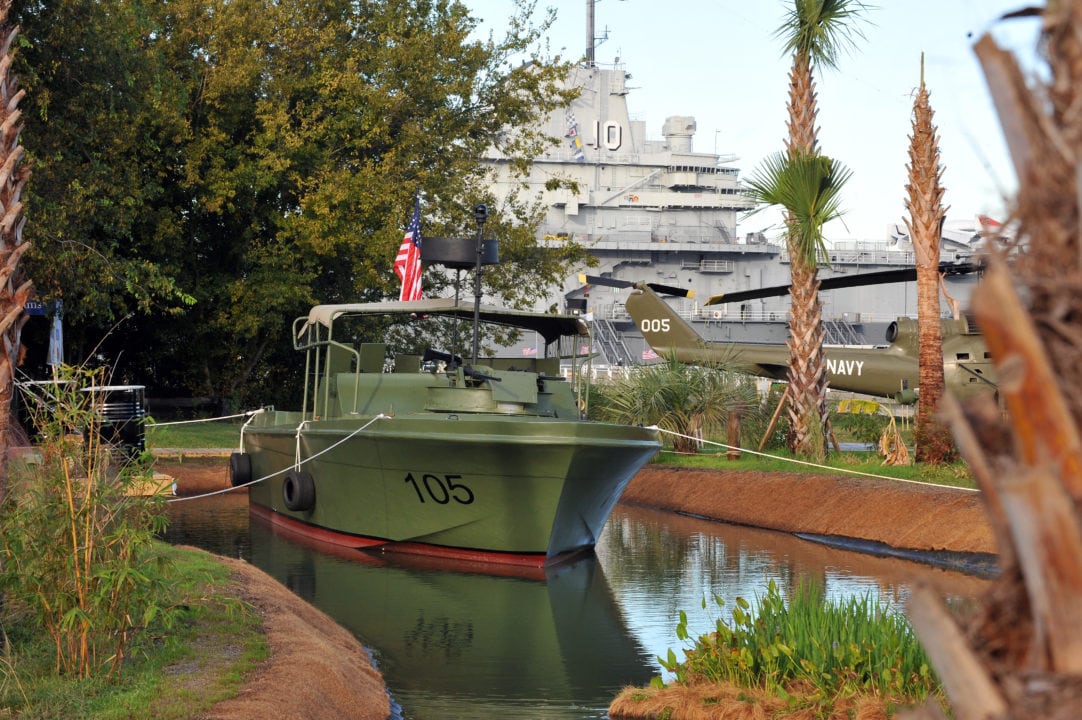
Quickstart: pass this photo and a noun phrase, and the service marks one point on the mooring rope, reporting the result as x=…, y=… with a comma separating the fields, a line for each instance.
x=298, y=462
x=807, y=463
x=296, y=465
x=247, y=413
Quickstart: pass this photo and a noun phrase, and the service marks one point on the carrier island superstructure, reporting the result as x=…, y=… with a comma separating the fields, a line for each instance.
x=657, y=210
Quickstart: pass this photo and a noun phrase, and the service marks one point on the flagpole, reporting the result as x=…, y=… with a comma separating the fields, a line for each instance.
x=480, y=214
x=454, y=326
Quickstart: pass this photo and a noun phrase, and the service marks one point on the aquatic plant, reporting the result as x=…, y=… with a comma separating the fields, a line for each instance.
x=809, y=652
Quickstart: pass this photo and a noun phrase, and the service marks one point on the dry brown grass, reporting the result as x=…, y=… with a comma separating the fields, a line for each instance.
x=727, y=702
x=317, y=669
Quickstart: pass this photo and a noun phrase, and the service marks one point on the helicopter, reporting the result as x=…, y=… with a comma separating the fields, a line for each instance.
x=889, y=370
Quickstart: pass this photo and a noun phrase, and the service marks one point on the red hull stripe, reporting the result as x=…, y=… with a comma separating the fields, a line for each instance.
x=464, y=556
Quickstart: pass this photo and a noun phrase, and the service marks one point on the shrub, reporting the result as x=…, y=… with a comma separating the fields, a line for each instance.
x=78, y=534
x=688, y=401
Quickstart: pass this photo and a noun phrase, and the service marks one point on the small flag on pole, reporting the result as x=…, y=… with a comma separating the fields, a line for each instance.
x=649, y=354
x=56, y=337
x=407, y=264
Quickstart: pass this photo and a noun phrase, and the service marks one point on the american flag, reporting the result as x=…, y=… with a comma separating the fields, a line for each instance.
x=407, y=264
x=649, y=354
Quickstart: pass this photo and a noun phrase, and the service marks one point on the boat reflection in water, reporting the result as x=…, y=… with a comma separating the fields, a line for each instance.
x=456, y=643
x=462, y=642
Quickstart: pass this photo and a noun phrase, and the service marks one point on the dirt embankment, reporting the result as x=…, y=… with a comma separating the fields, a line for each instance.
x=316, y=670
x=903, y=515
x=319, y=670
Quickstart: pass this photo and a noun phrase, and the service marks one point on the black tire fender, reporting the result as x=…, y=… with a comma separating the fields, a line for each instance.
x=240, y=469
x=298, y=491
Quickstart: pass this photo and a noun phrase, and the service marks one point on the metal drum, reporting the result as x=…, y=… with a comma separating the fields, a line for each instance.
x=123, y=415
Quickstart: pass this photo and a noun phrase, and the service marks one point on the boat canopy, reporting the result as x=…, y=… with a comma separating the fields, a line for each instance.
x=551, y=326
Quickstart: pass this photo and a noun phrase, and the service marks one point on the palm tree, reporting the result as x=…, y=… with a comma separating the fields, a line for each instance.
x=809, y=187
x=814, y=32
x=925, y=223
x=14, y=288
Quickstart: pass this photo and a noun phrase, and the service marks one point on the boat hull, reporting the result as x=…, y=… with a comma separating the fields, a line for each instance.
x=516, y=490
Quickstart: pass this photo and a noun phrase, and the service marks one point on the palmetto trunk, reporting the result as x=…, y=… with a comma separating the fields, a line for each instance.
x=807, y=365
x=925, y=222
x=14, y=290
x=802, y=106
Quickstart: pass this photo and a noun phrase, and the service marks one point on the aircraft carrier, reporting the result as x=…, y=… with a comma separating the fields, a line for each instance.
x=657, y=210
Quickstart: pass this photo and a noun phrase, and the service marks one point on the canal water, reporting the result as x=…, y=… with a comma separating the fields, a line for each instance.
x=468, y=642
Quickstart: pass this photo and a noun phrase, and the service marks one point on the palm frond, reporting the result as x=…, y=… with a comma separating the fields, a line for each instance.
x=809, y=187
x=821, y=29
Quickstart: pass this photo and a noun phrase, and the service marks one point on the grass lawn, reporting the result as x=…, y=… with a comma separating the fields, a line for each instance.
x=862, y=463
x=215, y=434
x=168, y=675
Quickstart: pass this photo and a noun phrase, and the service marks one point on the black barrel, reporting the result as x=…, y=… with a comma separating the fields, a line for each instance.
x=123, y=416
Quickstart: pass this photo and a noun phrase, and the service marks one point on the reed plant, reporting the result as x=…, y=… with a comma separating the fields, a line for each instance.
x=809, y=651
x=77, y=537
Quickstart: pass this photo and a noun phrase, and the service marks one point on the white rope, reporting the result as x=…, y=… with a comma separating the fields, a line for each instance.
x=809, y=464
x=298, y=464
x=240, y=446
x=151, y=423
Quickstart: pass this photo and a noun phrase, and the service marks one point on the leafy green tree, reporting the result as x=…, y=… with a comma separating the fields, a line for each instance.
x=104, y=118
x=286, y=141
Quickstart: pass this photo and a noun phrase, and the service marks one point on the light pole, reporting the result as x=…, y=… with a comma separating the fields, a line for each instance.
x=480, y=214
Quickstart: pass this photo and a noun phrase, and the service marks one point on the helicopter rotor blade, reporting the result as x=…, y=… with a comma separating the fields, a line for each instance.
x=844, y=281
x=656, y=287
x=604, y=281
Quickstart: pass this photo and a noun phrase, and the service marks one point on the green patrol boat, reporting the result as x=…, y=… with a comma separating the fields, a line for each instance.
x=490, y=461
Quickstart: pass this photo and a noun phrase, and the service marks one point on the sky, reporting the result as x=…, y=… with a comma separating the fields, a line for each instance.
x=719, y=62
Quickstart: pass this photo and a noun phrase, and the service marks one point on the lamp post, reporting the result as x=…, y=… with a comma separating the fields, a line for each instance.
x=480, y=214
